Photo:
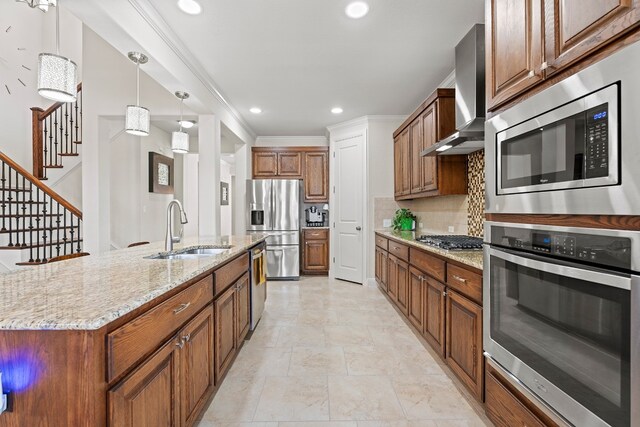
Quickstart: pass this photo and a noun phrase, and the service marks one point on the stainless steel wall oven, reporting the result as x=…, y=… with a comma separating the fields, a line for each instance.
x=562, y=316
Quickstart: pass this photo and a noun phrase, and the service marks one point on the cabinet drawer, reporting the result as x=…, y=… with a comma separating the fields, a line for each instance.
x=321, y=234
x=129, y=343
x=399, y=250
x=227, y=275
x=465, y=282
x=431, y=265
x=504, y=409
x=382, y=242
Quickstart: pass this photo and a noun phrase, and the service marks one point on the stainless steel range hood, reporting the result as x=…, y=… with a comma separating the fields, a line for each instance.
x=470, y=98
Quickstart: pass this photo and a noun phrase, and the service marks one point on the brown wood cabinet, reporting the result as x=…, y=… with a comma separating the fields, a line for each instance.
x=416, y=176
x=445, y=314
x=464, y=341
x=243, y=296
x=435, y=315
x=533, y=44
x=515, y=47
x=226, y=343
x=310, y=164
x=416, y=309
x=315, y=251
x=148, y=397
x=173, y=385
x=507, y=407
x=316, y=177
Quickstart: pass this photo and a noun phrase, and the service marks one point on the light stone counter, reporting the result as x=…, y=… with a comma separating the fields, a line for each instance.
x=89, y=292
x=470, y=258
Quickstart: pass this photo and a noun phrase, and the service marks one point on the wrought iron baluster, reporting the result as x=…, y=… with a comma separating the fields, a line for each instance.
x=66, y=127
x=9, y=199
x=31, y=226
x=38, y=226
x=4, y=197
x=64, y=221
x=57, y=229
x=24, y=210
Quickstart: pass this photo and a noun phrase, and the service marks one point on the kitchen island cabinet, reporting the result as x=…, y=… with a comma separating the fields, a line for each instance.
x=119, y=340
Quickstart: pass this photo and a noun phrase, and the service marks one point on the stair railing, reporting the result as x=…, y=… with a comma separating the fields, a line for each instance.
x=35, y=217
x=56, y=133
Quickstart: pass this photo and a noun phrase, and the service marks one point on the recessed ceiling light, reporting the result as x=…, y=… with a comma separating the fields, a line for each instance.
x=255, y=110
x=187, y=124
x=192, y=7
x=337, y=110
x=357, y=9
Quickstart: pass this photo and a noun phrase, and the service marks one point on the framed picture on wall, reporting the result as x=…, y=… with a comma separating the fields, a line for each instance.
x=160, y=173
x=224, y=193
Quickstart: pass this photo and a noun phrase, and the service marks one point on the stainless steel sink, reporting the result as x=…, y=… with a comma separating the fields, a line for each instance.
x=191, y=253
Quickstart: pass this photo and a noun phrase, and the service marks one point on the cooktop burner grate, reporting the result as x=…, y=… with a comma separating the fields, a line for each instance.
x=452, y=242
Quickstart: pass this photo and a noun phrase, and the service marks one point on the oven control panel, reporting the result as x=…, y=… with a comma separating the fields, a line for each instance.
x=597, y=139
x=605, y=250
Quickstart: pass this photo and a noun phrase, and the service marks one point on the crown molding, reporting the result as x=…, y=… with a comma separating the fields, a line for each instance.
x=364, y=121
x=150, y=14
x=291, y=138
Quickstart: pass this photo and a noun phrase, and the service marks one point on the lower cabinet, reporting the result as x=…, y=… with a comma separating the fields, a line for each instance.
x=435, y=315
x=402, y=300
x=382, y=265
x=170, y=388
x=464, y=341
x=416, y=309
x=315, y=251
x=392, y=277
x=232, y=319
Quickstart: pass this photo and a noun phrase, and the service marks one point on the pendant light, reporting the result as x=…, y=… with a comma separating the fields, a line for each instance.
x=137, y=117
x=180, y=139
x=57, y=75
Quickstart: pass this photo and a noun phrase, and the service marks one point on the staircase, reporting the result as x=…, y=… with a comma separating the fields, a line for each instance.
x=33, y=217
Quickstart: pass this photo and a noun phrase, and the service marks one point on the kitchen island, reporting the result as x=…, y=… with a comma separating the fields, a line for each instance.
x=122, y=340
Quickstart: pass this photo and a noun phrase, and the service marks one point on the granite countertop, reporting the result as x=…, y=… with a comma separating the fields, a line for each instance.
x=89, y=292
x=324, y=227
x=470, y=258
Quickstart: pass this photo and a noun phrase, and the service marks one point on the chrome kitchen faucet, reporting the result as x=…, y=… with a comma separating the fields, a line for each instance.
x=170, y=238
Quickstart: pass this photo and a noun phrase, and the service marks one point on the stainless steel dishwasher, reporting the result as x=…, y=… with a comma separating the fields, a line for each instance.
x=258, y=256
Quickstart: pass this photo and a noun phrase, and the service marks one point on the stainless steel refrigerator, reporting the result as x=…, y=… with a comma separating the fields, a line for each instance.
x=274, y=208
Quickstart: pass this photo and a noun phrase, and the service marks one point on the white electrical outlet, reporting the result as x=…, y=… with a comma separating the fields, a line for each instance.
x=451, y=229
x=421, y=226
x=386, y=223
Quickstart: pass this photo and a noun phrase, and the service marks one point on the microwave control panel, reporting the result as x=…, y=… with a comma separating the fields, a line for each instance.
x=605, y=250
x=597, y=139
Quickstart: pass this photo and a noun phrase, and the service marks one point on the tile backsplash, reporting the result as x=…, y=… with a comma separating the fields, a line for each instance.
x=465, y=213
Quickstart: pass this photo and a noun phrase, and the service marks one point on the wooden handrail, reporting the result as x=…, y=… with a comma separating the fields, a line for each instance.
x=35, y=181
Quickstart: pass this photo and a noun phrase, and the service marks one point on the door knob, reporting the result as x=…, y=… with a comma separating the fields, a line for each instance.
x=358, y=228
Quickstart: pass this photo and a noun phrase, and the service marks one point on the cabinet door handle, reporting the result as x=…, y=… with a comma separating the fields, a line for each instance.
x=186, y=338
x=180, y=344
x=358, y=228
x=182, y=307
x=444, y=293
x=459, y=279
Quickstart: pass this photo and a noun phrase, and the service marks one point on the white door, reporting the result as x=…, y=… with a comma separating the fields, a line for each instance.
x=350, y=190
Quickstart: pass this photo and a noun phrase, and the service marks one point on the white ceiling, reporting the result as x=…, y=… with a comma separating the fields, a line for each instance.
x=296, y=59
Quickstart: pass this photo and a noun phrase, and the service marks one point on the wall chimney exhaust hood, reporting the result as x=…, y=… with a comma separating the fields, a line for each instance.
x=470, y=98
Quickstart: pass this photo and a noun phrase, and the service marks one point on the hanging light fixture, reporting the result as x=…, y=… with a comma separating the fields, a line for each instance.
x=57, y=75
x=137, y=117
x=43, y=5
x=180, y=139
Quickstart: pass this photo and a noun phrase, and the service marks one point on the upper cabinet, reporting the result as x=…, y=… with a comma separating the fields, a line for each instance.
x=515, y=47
x=416, y=176
x=311, y=164
x=528, y=42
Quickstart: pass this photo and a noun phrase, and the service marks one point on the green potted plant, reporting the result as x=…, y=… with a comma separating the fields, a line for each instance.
x=404, y=220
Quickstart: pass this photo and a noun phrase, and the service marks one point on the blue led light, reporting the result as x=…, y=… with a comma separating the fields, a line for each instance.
x=599, y=116
x=20, y=370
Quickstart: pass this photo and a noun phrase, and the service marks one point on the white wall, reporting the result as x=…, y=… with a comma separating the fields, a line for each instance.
x=291, y=141
x=108, y=86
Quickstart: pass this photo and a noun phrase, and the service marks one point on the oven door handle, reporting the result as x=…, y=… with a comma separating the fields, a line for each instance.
x=612, y=280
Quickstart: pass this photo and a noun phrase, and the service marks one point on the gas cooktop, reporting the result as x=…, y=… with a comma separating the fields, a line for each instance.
x=452, y=242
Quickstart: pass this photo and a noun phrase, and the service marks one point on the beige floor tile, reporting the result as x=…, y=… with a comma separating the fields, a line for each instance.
x=301, y=335
x=431, y=397
x=265, y=336
x=314, y=361
x=476, y=422
x=363, y=398
x=258, y=361
x=315, y=317
x=319, y=424
x=294, y=399
x=227, y=407
x=343, y=335
x=403, y=423
x=394, y=335
x=205, y=423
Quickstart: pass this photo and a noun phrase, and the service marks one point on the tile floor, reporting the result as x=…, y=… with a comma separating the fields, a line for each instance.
x=335, y=354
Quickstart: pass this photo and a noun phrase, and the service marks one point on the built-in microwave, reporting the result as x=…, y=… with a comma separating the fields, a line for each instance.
x=572, y=148
x=575, y=145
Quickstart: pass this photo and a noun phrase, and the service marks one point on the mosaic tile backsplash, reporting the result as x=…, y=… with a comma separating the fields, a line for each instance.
x=464, y=213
